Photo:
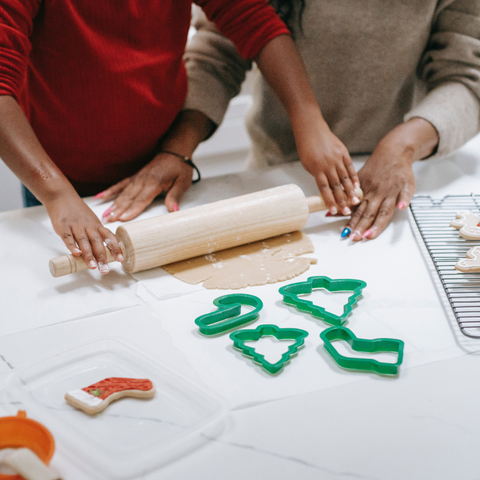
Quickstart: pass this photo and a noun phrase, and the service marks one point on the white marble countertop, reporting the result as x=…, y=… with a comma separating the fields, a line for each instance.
x=314, y=420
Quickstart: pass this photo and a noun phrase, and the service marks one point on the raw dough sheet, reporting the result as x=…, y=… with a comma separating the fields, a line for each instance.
x=267, y=261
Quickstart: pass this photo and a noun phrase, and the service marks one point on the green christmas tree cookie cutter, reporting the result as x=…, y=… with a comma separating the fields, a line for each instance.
x=240, y=337
x=363, y=345
x=228, y=315
x=291, y=292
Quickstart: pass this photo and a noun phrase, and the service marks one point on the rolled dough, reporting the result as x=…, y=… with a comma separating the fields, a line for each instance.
x=267, y=261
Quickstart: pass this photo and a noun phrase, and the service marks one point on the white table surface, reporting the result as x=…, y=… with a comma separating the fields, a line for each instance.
x=314, y=420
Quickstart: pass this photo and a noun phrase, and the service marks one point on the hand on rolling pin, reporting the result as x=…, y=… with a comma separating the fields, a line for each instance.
x=82, y=232
x=165, y=173
x=387, y=177
x=320, y=151
x=327, y=159
x=78, y=227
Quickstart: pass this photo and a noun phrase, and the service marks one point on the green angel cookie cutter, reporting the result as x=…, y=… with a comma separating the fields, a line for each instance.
x=228, y=315
x=376, y=345
x=291, y=292
x=240, y=337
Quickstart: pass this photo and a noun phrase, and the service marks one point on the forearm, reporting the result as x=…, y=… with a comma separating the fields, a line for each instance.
x=283, y=69
x=23, y=154
x=188, y=130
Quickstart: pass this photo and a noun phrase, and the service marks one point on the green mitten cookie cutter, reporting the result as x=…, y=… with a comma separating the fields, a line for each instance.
x=291, y=292
x=363, y=345
x=239, y=338
x=229, y=307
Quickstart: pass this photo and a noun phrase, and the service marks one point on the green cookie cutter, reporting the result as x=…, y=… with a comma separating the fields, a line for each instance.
x=239, y=338
x=291, y=292
x=363, y=345
x=229, y=307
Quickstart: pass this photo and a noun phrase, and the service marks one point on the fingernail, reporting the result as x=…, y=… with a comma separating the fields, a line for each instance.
x=103, y=267
x=333, y=210
x=92, y=265
x=355, y=200
x=106, y=213
x=356, y=185
x=347, y=211
x=328, y=214
x=175, y=207
x=346, y=232
x=77, y=251
x=120, y=258
x=367, y=233
x=356, y=235
x=123, y=217
x=402, y=206
x=99, y=195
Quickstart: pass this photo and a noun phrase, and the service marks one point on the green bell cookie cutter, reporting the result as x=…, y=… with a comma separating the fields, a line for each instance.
x=239, y=338
x=291, y=292
x=229, y=307
x=363, y=345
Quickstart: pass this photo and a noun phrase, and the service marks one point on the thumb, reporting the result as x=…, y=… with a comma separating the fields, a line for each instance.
x=175, y=194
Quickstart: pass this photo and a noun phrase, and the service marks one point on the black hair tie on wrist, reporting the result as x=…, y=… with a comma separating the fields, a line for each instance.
x=187, y=160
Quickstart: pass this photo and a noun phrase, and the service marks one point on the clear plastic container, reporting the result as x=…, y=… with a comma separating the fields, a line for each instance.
x=132, y=437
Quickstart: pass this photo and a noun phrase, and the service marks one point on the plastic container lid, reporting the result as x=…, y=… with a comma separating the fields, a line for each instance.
x=132, y=437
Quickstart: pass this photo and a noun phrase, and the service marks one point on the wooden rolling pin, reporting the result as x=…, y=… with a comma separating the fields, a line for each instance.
x=205, y=229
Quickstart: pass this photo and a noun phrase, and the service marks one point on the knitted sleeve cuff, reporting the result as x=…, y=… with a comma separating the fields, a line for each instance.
x=455, y=113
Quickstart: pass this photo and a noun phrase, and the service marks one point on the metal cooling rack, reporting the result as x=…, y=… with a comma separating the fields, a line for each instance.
x=446, y=247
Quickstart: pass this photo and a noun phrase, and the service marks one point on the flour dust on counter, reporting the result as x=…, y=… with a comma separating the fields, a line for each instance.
x=272, y=260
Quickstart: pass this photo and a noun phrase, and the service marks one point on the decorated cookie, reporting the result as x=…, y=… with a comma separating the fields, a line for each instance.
x=471, y=263
x=468, y=223
x=95, y=398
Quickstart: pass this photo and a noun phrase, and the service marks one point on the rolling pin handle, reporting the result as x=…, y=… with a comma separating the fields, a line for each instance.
x=316, y=203
x=67, y=264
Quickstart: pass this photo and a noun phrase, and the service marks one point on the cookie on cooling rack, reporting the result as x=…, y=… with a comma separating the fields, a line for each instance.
x=468, y=223
x=471, y=263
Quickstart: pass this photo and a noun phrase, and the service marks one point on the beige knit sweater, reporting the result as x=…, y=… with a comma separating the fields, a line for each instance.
x=372, y=65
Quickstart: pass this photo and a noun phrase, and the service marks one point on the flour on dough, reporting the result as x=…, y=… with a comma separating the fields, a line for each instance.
x=267, y=261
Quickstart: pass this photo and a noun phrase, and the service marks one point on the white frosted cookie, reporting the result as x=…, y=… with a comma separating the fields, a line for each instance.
x=471, y=263
x=96, y=398
x=468, y=223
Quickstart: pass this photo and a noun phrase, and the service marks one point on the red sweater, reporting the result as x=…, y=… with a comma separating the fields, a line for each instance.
x=101, y=82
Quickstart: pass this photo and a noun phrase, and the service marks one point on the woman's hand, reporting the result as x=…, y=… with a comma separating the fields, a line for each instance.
x=82, y=232
x=165, y=173
x=387, y=177
x=327, y=159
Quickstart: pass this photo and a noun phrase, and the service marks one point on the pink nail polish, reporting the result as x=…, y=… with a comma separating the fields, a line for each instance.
x=175, y=207
x=328, y=214
x=402, y=206
x=367, y=233
x=107, y=212
x=99, y=195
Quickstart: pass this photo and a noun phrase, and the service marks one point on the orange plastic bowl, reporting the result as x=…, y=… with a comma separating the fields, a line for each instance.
x=21, y=432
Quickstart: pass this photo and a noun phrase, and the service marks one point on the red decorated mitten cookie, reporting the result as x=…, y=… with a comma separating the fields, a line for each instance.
x=96, y=398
